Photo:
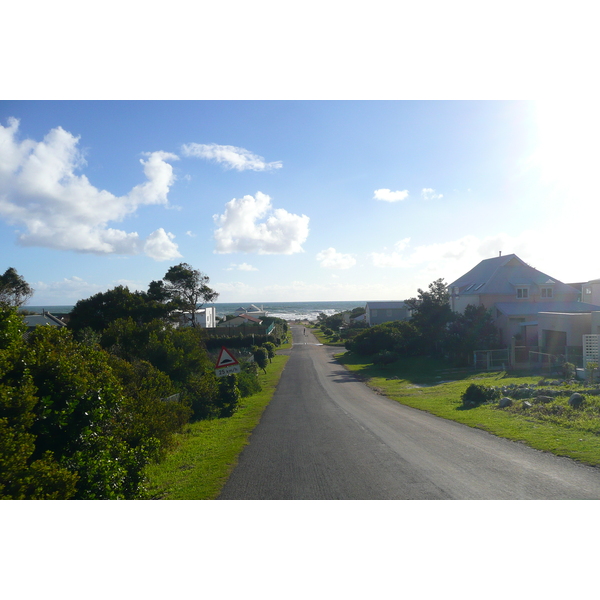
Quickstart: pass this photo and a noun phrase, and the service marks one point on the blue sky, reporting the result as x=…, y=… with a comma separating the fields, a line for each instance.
x=290, y=200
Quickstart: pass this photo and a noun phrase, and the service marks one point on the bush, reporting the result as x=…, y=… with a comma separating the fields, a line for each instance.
x=385, y=357
x=229, y=395
x=477, y=394
x=396, y=336
x=248, y=383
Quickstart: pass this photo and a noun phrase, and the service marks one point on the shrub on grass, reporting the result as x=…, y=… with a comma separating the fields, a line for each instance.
x=477, y=394
x=248, y=382
x=385, y=357
x=229, y=396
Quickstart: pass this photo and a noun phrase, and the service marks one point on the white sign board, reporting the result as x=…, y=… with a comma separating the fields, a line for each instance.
x=226, y=364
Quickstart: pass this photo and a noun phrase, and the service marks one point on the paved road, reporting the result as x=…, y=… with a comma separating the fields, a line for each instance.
x=327, y=436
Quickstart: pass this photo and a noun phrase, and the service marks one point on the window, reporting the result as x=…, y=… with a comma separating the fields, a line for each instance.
x=522, y=293
x=373, y=312
x=588, y=290
x=388, y=312
x=546, y=292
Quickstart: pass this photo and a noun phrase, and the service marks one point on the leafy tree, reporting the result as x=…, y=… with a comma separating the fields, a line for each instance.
x=21, y=475
x=270, y=348
x=189, y=288
x=69, y=406
x=178, y=353
x=100, y=310
x=399, y=337
x=229, y=395
x=431, y=314
x=14, y=290
x=248, y=382
x=473, y=330
x=261, y=357
x=152, y=420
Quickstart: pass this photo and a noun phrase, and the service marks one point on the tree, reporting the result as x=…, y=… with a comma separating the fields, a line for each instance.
x=189, y=287
x=61, y=406
x=102, y=309
x=473, y=330
x=261, y=357
x=14, y=290
x=399, y=337
x=431, y=314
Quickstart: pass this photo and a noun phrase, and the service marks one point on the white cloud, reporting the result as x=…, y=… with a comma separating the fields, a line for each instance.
x=190, y=234
x=231, y=157
x=389, y=196
x=239, y=229
x=429, y=194
x=331, y=259
x=40, y=192
x=160, y=246
x=241, y=267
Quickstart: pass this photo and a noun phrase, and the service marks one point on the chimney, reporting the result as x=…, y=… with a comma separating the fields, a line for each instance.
x=499, y=255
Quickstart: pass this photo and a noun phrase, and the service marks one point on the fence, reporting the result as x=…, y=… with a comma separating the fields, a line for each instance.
x=240, y=330
x=590, y=348
x=491, y=360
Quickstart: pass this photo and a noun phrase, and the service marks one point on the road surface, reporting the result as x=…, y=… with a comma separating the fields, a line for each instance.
x=325, y=435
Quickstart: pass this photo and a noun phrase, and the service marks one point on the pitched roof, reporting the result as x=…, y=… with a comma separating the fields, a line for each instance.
x=500, y=275
x=45, y=319
x=384, y=305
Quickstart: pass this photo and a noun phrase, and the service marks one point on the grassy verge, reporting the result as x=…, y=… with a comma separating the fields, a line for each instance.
x=328, y=340
x=207, y=451
x=554, y=427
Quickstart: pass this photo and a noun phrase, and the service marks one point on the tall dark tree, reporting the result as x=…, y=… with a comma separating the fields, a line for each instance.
x=189, y=288
x=470, y=331
x=14, y=290
x=100, y=310
x=431, y=314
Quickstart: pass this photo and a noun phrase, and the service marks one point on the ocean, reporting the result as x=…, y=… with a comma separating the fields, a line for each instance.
x=289, y=311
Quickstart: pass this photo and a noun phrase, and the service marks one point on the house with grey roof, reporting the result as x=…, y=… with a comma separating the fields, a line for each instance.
x=590, y=291
x=539, y=310
x=382, y=312
x=33, y=321
x=240, y=319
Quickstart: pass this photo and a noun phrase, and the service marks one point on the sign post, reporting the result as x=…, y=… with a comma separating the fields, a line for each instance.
x=226, y=364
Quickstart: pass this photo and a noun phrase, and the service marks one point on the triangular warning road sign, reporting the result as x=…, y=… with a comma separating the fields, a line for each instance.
x=226, y=359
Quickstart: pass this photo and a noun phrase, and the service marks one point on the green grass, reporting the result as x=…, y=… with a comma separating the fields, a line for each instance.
x=430, y=386
x=207, y=451
x=328, y=340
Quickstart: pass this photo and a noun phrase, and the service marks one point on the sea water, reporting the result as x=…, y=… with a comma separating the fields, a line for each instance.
x=289, y=311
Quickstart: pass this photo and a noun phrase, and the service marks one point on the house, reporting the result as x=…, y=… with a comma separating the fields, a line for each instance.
x=527, y=305
x=205, y=317
x=382, y=312
x=33, y=321
x=241, y=319
x=252, y=310
x=590, y=291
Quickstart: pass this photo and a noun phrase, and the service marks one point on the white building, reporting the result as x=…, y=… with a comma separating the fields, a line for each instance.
x=205, y=317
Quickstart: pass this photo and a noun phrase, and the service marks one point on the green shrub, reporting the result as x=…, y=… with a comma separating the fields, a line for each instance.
x=229, y=395
x=477, y=394
x=385, y=357
x=248, y=382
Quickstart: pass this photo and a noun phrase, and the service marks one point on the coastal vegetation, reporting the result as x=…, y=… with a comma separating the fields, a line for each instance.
x=85, y=409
